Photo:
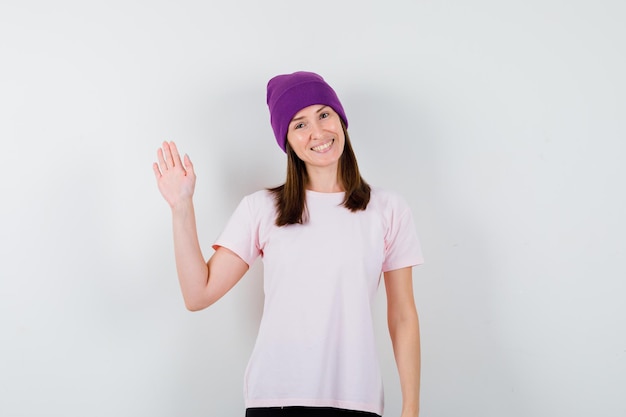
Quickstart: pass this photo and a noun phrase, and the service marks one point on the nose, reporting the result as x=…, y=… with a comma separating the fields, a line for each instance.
x=316, y=130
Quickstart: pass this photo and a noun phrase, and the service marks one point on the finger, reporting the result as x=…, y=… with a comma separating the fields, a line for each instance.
x=161, y=159
x=167, y=151
x=157, y=171
x=175, y=155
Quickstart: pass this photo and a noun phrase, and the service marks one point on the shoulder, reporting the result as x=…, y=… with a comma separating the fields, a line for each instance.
x=383, y=199
x=260, y=198
x=259, y=204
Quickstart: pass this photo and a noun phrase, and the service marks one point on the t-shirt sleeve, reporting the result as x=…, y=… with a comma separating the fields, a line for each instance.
x=402, y=246
x=241, y=233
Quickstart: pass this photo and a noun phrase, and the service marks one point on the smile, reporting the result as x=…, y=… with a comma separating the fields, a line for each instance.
x=322, y=148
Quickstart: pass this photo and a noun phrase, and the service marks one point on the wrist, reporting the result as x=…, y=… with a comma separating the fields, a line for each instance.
x=182, y=206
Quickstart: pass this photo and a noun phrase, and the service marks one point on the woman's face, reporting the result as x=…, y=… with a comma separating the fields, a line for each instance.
x=316, y=135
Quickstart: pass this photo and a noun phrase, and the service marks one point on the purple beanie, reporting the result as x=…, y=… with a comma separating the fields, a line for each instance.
x=289, y=93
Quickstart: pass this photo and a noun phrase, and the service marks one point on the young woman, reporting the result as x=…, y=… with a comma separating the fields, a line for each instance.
x=325, y=238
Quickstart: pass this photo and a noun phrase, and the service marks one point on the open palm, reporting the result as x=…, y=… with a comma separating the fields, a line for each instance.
x=175, y=177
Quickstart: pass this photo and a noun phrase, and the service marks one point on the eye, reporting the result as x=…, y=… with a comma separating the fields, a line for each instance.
x=298, y=126
x=324, y=115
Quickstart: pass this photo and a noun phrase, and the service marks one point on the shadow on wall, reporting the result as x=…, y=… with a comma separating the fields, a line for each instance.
x=403, y=143
x=245, y=159
x=249, y=158
x=389, y=134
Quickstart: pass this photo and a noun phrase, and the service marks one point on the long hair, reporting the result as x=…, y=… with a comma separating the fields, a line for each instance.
x=290, y=198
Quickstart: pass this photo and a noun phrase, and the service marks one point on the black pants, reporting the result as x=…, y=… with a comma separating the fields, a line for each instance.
x=305, y=412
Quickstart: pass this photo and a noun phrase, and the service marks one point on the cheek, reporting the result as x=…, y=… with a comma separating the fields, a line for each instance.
x=295, y=140
x=296, y=144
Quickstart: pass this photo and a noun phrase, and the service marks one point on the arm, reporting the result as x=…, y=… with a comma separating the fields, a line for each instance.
x=404, y=330
x=201, y=283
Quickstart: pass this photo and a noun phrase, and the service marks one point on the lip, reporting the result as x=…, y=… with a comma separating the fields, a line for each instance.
x=326, y=146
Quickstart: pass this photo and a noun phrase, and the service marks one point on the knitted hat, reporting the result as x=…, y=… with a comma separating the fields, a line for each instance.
x=289, y=93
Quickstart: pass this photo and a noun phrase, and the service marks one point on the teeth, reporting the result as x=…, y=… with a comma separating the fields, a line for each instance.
x=322, y=147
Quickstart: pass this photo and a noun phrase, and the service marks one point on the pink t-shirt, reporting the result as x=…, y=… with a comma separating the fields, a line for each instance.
x=316, y=345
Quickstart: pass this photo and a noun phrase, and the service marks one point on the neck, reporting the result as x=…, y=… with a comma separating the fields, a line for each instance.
x=324, y=180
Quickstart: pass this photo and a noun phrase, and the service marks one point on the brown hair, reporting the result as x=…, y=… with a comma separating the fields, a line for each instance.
x=290, y=198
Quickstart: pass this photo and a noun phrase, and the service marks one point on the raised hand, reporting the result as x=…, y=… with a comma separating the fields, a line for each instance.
x=175, y=177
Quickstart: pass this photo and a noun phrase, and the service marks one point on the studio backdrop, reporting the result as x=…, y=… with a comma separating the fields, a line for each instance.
x=501, y=123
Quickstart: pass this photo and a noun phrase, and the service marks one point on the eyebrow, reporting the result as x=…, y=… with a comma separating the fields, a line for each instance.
x=302, y=117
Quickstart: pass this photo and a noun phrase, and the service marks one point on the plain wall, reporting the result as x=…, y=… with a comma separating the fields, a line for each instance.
x=502, y=123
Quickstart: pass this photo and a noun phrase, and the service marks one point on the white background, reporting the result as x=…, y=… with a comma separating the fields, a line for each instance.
x=501, y=122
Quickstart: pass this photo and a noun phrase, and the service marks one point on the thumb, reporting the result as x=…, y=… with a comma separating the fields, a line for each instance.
x=188, y=164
